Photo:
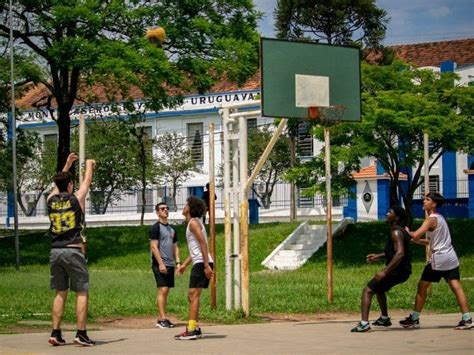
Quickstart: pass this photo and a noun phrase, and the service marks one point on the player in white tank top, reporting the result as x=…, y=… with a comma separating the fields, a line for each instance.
x=202, y=263
x=444, y=263
x=443, y=256
x=193, y=244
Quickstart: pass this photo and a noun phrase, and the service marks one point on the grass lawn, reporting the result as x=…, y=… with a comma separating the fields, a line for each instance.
x=122, y=283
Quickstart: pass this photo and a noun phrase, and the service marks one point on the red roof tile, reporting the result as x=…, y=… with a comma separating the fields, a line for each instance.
x=370, y=172
x=434, y=53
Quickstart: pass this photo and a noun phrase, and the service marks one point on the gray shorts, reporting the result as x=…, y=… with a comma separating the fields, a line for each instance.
x=68, y=270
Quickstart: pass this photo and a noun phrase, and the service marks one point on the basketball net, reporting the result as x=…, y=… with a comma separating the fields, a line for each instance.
x=326, y=115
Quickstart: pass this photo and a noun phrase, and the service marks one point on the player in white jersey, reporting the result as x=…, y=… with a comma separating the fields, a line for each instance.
x=202, y=270
x=444, y=263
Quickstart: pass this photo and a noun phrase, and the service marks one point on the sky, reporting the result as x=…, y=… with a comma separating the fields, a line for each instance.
x=411, y=21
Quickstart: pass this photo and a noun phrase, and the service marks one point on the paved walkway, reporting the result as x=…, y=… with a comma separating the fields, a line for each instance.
x=328, y=337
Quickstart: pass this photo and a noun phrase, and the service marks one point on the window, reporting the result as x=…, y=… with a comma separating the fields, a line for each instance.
x=303, y=200
x=51, y=138
x=149, y=207
x=434, y=185
x=251, y=124
x=194, y=135
x=304, y=141
x=148, y=131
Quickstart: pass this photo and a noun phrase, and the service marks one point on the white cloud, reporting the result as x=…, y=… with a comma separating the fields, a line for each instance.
x=441, y=11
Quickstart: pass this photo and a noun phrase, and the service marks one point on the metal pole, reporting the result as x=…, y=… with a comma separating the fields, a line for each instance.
x=236, y=229
x=14, y=179
x=292, y=185
x=227, y=223
x=212, y=219
x=327, y=149
x=82, y=146
x=426, y=158
x=244, y=243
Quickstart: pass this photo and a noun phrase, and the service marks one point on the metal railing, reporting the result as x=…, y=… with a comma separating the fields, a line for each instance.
x=130, y=201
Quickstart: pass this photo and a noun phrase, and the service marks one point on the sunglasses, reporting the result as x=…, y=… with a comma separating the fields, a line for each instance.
x=164, y=208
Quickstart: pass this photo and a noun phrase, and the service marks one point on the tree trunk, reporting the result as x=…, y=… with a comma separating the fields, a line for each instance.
x=64, y=137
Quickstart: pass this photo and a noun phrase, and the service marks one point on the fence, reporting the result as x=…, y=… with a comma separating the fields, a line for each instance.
x=131, y=201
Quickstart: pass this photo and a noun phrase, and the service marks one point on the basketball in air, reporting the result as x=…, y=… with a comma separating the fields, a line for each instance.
x=156, y=35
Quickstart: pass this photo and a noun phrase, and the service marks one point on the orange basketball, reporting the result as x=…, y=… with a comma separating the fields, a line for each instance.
x=156, y=35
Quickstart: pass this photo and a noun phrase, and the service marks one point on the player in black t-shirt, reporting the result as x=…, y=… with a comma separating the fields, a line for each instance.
x=397, y=270
x=68, y=262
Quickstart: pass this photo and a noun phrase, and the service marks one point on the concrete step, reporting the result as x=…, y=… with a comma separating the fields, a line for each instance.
x=306, y=246
x=275, y=265
x=303, y=243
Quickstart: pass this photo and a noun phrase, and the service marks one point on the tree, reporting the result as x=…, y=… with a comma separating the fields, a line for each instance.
x=332, y=22
x=145, y=162
x=110, y=143
x=174, y=161
x=25, y=72
x=399, y=106
x=276, y=164
x=83, y=43
x=35, y=169
x=344, y=160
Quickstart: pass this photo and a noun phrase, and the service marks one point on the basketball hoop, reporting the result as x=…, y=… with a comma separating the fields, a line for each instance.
x=326, y=115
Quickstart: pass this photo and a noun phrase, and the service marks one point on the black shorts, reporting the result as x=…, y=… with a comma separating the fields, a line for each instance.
x=164, y=280
x=198, y=278
x=388, y=282
x=430, y=275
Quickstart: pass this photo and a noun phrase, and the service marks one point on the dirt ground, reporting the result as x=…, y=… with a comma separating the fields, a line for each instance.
x=148, y=322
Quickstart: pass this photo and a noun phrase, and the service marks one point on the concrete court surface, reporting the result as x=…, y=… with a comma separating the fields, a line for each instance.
x=308, y=337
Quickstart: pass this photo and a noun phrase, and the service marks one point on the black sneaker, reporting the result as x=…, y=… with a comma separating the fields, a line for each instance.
x=56, y=339
x=188, y=335
x=199, y=333
x=381, y=322
x=359, y=328
x=464, y=324
x=164, y=323
x=170, y=325
x=410, y=323
x=83, y=340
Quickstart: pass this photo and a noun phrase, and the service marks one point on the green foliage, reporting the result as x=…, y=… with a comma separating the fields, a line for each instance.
x=334, y=22
x=31, y=163
x=145, y=163
x=35, y=171
x=92, y=42
x=276, y=164
x=399, y=106
x=174, y=161
x=123, y=284
x=110, y=143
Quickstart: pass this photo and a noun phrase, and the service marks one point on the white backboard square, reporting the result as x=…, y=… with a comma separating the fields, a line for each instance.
x=311, y=90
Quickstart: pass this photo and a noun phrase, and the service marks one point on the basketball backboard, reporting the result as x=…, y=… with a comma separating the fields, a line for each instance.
x=297, y=75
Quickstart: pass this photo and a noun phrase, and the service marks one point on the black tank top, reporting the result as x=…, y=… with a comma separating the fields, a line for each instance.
x=405, y=264
x=67, y=220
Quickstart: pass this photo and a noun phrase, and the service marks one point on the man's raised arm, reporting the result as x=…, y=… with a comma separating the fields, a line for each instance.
x=72, y=157
x=86, y=183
